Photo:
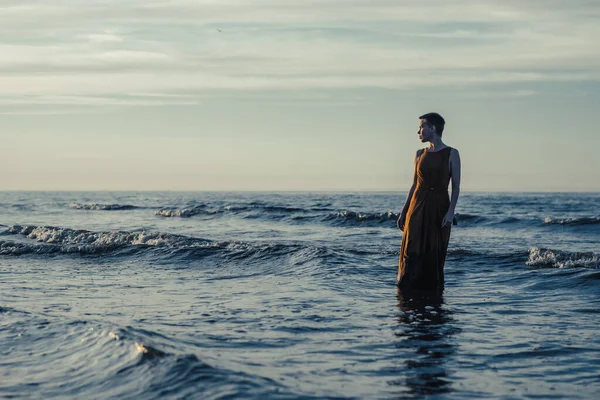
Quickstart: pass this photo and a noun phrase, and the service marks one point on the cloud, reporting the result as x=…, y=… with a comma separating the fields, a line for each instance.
x=53, y=111
x=128, y=100
x=500, y=94
x=94, y=49
x=103, y=37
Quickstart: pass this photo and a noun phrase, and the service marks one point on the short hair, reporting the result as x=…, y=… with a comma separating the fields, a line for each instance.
x=436, y=120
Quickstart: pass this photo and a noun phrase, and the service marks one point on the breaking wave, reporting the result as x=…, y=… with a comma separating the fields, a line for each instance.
x=562, y=259
x=65, y=240
x=102, y=207
x=572, y=221
x=55, y=240
x=202, y=209
x=186, y=212
x=353, y=216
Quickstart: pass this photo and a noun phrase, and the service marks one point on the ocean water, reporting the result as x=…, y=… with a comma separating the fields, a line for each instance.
x=264, y=295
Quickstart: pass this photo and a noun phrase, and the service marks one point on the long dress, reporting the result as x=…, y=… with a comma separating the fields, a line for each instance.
x=425, y=242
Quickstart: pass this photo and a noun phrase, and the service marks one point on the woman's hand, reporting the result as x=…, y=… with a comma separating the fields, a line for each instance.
x=448, y=218
x=401, y=221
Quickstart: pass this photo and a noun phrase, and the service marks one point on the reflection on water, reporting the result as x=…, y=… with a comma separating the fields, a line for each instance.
x=425, y=328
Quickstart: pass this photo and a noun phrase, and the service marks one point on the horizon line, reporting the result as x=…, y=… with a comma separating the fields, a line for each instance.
x=282, y=191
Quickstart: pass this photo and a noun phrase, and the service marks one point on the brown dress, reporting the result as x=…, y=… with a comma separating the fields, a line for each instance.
x=425, y=242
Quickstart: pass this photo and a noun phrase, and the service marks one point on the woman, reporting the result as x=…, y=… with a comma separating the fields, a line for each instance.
x=428, y=214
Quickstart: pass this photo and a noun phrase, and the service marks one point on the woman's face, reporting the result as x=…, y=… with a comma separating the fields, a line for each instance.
x=425, y=131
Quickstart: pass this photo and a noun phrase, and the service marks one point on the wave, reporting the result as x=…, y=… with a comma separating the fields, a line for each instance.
x=344, y=217
x=478, y=219
x=235, y=209
x=102, y=207
x=574, y=221
x=562, y=259
x=127, y=362
x=186, y=212
x=65, y=240
x=316, y=213
x=508, y=220
x=320, y=213
x=347, y=216
x=55, y=240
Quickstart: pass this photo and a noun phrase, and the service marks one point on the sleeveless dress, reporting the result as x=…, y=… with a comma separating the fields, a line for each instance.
x=425, y=242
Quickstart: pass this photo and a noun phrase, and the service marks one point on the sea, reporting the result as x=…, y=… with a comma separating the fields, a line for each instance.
x=242, y=295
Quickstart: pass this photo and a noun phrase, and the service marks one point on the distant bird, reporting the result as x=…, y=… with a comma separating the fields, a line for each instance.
x=219, y=30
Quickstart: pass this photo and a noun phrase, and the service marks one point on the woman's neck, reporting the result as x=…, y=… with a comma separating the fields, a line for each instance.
x=436, y=145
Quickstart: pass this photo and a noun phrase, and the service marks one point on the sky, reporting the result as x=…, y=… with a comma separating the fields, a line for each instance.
x=303, y=95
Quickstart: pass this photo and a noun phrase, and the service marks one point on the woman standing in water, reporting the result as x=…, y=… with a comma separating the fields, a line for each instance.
x=428, y=214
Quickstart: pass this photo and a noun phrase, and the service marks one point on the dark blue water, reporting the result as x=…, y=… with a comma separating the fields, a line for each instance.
x=249, y=295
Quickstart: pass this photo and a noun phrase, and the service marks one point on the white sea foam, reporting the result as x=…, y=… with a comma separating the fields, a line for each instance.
x=101, y=207
x=353, y=215
x=184, y=212
x=52, y=240
x=65, y=240
x=562, y=259
x=572, y=221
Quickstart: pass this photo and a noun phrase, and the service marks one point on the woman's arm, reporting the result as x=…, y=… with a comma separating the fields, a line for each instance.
x=455, y=174
x=455, y=171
